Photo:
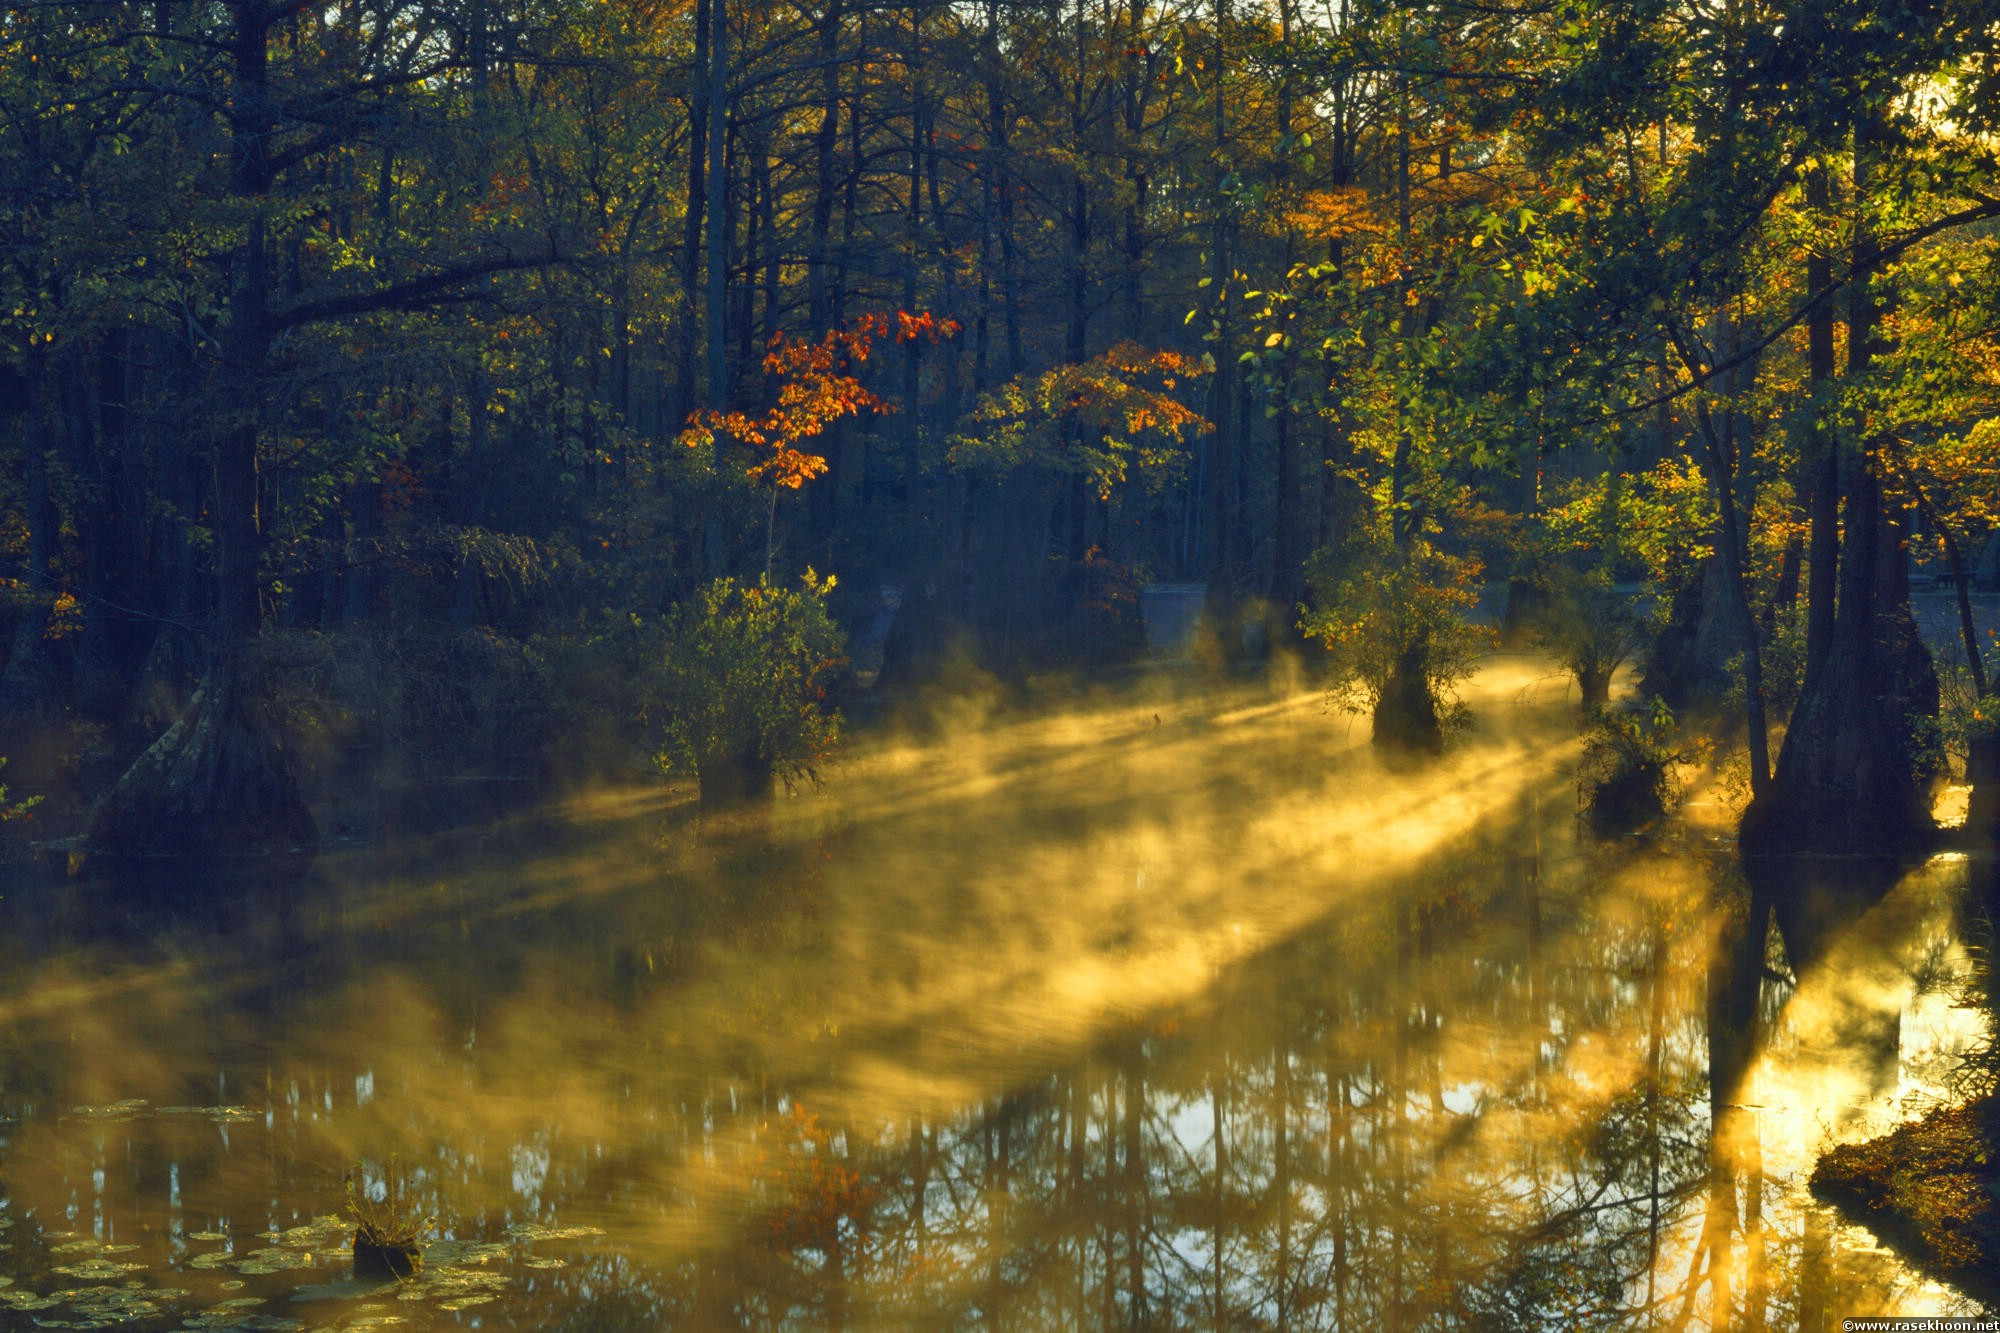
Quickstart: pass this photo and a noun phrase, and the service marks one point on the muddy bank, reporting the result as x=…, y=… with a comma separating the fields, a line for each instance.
x=1930, y=1189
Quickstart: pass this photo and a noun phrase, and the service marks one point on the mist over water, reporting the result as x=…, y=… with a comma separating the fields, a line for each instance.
x=1156, y=1007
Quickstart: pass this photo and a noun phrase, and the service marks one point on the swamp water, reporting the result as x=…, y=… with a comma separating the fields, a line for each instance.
x=1159, y=1010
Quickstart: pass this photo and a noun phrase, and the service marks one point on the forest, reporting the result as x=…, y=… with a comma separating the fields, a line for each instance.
x=1382, y=608
x=428, y=387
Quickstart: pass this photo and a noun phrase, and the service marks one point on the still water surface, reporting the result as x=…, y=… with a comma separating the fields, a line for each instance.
x=1164, y=1009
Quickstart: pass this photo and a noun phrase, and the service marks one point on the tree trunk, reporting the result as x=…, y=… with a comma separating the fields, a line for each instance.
x=1851, y=778
x=1822, y=450
x=216, y=787
x=684, y=400
x=29, y=687
x=1406, y=716
x=727, y=780
x=217, y=783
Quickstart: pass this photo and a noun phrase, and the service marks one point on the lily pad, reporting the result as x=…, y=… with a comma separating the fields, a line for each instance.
x=272, y=1259
x=453, y=1284
x=120, y=1110
x=445, y=1253
x=208, y=1235
x=229, y=1319
x=533, y=1231
x=346, y=1289
x=319, y=1233
x=220, y=1114
x=89, y=1246
x=107, y=1307
x=548, y=1263
x=99, y=1270
x=462, y=1302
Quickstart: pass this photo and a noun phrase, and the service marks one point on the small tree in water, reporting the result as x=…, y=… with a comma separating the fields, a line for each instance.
x=1395, y=625
x=1627, y=778
x=1575, y=550
x=742, y=687
x=1589, y=626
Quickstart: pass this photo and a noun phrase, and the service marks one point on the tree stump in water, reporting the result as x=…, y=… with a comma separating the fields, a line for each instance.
x=216, y=785
x=386, y=1258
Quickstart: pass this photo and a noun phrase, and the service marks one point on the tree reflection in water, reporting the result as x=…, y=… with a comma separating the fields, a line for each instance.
x=1180, y=1029
x=1508, y=1127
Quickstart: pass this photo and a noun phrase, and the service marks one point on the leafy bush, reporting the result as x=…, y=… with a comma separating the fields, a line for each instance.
x=388, y=1230
x=1395, y=628
x=1590, y=627
x=1627, y=776
x=742, y=686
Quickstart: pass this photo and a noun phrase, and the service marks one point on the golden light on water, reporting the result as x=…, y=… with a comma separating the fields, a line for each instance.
x=1184, y=943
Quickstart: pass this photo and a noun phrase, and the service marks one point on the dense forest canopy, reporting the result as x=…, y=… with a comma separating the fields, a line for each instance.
x=371, y=350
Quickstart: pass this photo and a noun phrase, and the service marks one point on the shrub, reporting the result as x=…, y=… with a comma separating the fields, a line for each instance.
x=1590, y=627
x=388, y=1230
x=1627, y=776
x=1395, y=628
x=742, y=686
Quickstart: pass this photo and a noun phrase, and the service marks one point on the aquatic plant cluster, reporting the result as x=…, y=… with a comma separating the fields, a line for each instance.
x=388, y=1225
x=309, y=1276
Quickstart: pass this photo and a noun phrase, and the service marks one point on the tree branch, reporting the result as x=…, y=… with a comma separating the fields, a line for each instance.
x=412, y=293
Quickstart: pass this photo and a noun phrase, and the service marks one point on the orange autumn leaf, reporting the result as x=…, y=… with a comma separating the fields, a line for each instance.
x=816, y=387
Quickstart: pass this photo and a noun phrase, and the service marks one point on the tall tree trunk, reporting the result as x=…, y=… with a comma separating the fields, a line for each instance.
x=217, y=782
x=1222, y=447
x=821, y=282
x=1822, y=445
x=684, y=400
x=1721, y=462
x=1406, y=713
x=715, y=558
x=1287, y=589
x=1850, y=778
x=29, y=687
x=717, y=393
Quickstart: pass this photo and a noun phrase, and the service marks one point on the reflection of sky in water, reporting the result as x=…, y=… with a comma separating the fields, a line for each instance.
x=1068, y=1020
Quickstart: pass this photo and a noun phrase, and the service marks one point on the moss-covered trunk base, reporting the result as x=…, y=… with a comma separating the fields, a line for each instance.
x=1929, y=1189
x=216, y=787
